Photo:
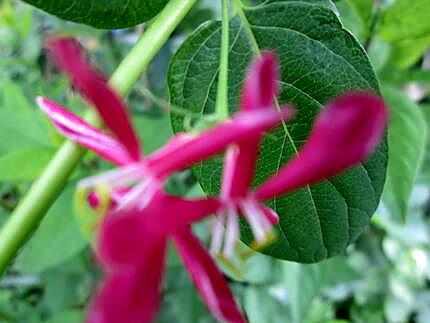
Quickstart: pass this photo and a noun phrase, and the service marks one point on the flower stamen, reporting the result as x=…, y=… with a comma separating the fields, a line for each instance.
x=217, y=233
x=260, y=225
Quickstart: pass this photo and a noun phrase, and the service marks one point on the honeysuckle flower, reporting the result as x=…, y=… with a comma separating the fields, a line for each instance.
x=92, y=85
x=144, y=203
x=131, y=289
x=149, y=173
x=140, y=214
x=259, y=91
x=132, y=247
x=345, y=133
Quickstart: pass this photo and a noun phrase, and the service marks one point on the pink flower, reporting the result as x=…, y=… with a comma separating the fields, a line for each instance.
x=132, y=246
x=345, y=133
x=138, y=202
x=142, y=215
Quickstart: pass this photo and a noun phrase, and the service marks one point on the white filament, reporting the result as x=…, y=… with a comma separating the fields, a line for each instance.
x=140, y=195
x=232, y=232
x=217, y=233
x=258, y=221
x=116, y=178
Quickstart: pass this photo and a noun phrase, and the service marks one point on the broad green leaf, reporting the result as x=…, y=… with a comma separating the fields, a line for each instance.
x=306, y=282
x=363, y=9
x=320, y=60
x=425, y=173
x=406, y=139
x=13, y=98
x=324, y=3
x=356, y=15
x=260, y=306
x=182, y=303
x=393, y=75
x=25, y=164
x=405, y=19
x=153, y=131
x=407, y=52
x=57, y=239
x=21, y=129
x=70, y=316
x=104, y=14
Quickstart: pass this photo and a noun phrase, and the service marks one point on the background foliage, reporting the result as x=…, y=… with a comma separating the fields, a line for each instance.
x=383, y=277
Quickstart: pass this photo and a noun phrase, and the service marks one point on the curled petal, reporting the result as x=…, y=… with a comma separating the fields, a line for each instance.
x=133, y=295
x=84, y=134
x=94, y=87
x=270, y=214
x=261, y=84
x=208, y=279
x=188, y=150
x=344, y=134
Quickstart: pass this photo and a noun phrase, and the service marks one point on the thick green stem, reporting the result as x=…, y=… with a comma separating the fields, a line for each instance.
x=30, y=211
x=222, y=92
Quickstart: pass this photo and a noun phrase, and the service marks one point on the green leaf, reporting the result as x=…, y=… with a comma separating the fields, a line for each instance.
x=425, y=170
x=324, y=3
x=406, y=139
x=21, y=129
x=70, y=316
x=356, y=15
x=13, y=97
x=104, y=14
x=407, y=52
x=320, y=60
x=146, y=127
x=306, y=282
x=260, y=306
x=405, y=19
x=57, y=239
x=25, y=164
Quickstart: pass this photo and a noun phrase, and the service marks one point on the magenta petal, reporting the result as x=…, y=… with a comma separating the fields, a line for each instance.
x=133, y=295
x=124, y=239
x=84, y=134
x=188, y=150
x=122, y=231
x=345, y=133
x=270, y=214
x=261, y=84
x=179, y=212
x=208, y=279
x=94, y=87
x=239, y=166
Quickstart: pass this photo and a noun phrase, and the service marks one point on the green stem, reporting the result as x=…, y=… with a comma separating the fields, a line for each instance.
x=222, y=92
x=30, y=211
x=239, y=9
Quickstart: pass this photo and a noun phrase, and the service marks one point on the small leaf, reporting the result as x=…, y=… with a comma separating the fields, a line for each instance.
x=57, y=239
x=406, y=139
x=405, y=19
x=104, y=14
x=25, y=164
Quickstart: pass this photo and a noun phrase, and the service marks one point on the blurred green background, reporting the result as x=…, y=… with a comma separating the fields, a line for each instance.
x=383, y=277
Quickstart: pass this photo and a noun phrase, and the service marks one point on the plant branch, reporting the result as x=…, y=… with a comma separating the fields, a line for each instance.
x=222, y=91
